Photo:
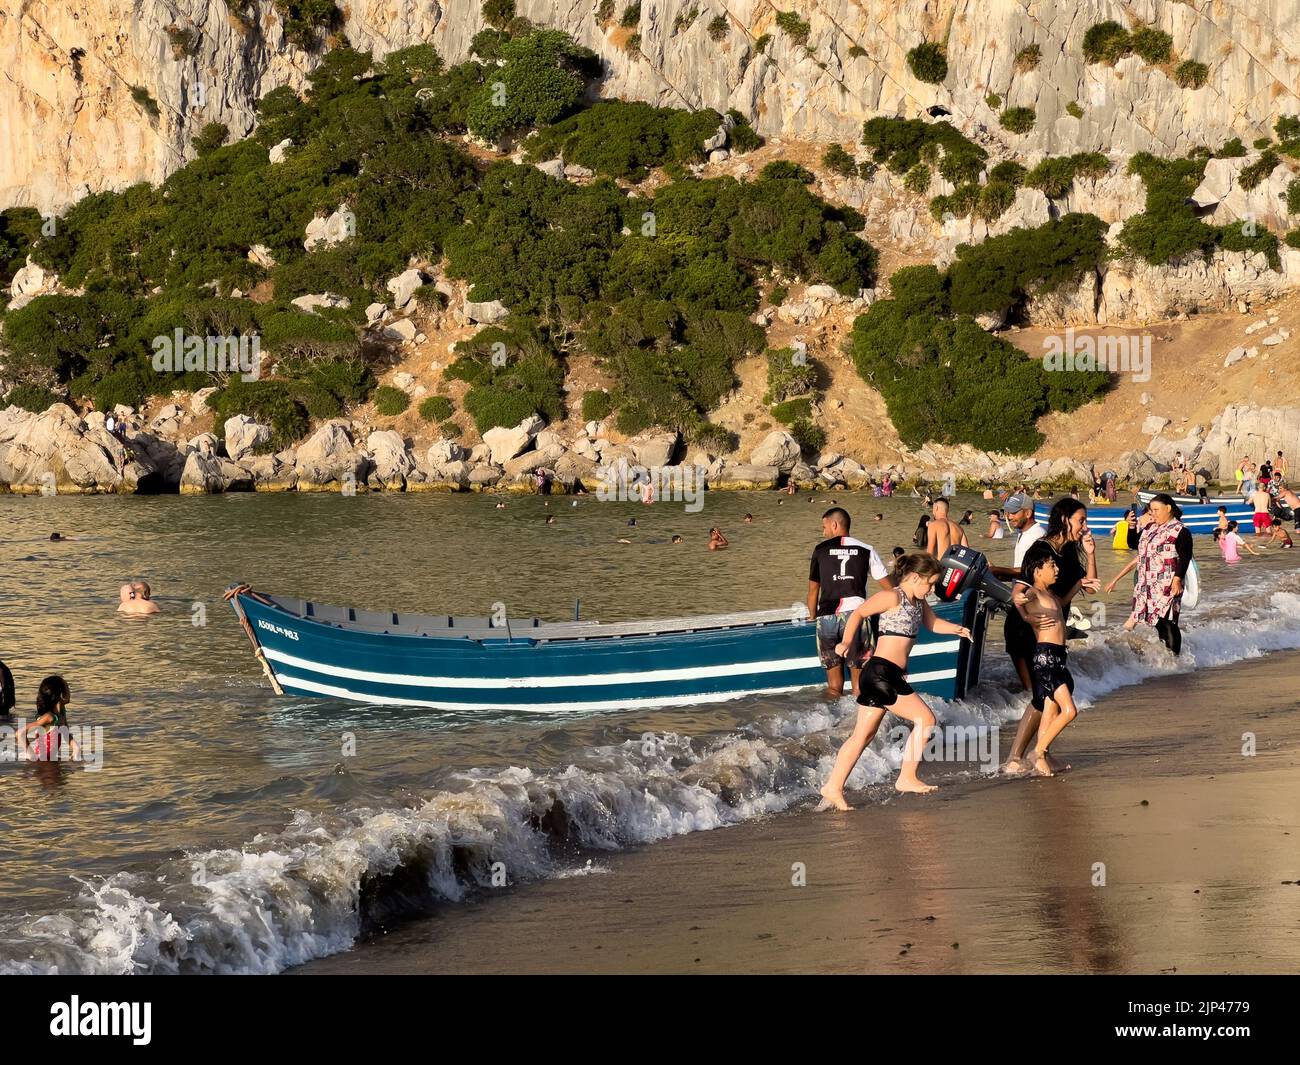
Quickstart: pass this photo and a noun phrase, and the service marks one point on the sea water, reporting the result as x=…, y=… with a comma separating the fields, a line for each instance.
x=229, y=830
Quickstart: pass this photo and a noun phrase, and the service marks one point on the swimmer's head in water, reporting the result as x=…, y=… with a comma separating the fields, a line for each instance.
x=142, y=589
x=53, y=693
x=677, y=539
x=126, y=593
x=56, y=536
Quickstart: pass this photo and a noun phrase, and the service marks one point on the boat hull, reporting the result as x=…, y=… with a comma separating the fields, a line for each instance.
x=1199, y=518
x=527, y=673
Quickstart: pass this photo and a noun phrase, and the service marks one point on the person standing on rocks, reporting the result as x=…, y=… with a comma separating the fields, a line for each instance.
x=837, y=585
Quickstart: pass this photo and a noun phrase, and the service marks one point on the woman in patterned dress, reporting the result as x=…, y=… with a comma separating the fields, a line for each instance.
x=1164, y=553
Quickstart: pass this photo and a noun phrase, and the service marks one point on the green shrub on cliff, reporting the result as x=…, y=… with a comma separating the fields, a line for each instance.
x=543, y=79
x=946, y=380
x=624, y=140
x=928, y=62
x=306, y=21
x=997, y=275
x=390, y=401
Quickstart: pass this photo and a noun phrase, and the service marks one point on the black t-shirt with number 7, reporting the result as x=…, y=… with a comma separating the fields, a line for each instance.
x=841, y=566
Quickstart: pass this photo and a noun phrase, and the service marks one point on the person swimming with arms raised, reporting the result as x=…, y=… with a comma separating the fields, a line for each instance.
x=883, y=683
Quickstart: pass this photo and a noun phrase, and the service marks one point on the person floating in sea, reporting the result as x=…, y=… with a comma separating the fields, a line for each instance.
x=1053, y=692
x=919, y=537
x=51, y=715
x=718, y=542
x=883, y=684
x=1164, y=555
x=677, y=539
x=837, y=585
x=135, y=600
x=996, y=529
x=942, y=532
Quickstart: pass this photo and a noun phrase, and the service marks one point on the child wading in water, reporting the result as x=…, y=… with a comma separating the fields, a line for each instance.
x=1053, y=693
x=52, y=715
x=883, y=683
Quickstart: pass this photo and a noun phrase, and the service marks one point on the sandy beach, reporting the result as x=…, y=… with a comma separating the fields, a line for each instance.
x=1200, y=845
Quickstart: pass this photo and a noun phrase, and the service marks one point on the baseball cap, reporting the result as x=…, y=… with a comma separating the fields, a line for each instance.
x=1016, y=502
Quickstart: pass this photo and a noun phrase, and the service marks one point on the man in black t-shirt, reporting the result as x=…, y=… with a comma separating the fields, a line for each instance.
x=837, y=585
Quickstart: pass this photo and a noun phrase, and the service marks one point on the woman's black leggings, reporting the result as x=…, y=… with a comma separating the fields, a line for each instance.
x=1169, y=632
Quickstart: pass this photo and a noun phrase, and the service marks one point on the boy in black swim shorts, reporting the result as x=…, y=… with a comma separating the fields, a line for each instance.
x=1053, y=687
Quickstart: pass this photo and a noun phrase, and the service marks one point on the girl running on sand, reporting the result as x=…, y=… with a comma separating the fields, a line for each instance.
x=883, y=683
x=1053, y=693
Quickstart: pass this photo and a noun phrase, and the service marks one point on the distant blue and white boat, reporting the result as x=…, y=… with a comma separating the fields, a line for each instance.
x=308, y=649
x=1200, y=518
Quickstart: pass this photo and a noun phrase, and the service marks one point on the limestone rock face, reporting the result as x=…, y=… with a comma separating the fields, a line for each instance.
x=392, y=461
x=244, y=435
x=653, y=448
x=504, y=444
x=778, y=449
x=73, y=127
x=54, y=452
x=743, y=475
x=328, y=461
x=326, y=231
x=1258, y=432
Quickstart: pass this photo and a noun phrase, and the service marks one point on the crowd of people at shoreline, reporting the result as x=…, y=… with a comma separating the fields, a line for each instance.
x=1052, y=564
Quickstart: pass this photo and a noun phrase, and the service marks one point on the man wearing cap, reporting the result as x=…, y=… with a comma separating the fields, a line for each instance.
x=1020, y=636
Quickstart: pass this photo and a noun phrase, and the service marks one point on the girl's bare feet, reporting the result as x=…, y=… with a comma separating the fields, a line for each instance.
x=1057, y=765
x=1014, y=767
x=1042, y=767
x=914, y=786
x=832, y=800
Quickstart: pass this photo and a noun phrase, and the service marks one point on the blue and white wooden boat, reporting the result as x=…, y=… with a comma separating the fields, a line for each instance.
x=375, y=656
x=1200, y=518
x=1145, y=496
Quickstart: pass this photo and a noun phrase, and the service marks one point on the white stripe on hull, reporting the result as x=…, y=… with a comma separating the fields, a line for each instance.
x=296, y=684
x=653, y=676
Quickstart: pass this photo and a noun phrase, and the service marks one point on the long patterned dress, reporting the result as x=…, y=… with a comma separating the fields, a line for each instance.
x=1153, y=595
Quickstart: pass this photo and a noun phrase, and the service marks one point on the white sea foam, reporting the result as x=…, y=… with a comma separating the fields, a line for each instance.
x=306, y=891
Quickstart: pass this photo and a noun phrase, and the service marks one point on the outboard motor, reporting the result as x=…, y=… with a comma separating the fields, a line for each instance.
x=963, y=569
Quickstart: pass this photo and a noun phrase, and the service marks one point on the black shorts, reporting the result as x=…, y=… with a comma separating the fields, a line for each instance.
x=1019, y=636
x=882, y=683
x=1049, y=672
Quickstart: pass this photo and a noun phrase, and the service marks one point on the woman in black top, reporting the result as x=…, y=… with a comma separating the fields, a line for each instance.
x=1071, y=543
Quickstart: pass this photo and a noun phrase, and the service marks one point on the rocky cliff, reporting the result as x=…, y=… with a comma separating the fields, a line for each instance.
x=83, y=80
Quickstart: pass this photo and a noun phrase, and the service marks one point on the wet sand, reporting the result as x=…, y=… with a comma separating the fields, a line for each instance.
x=986, y=875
